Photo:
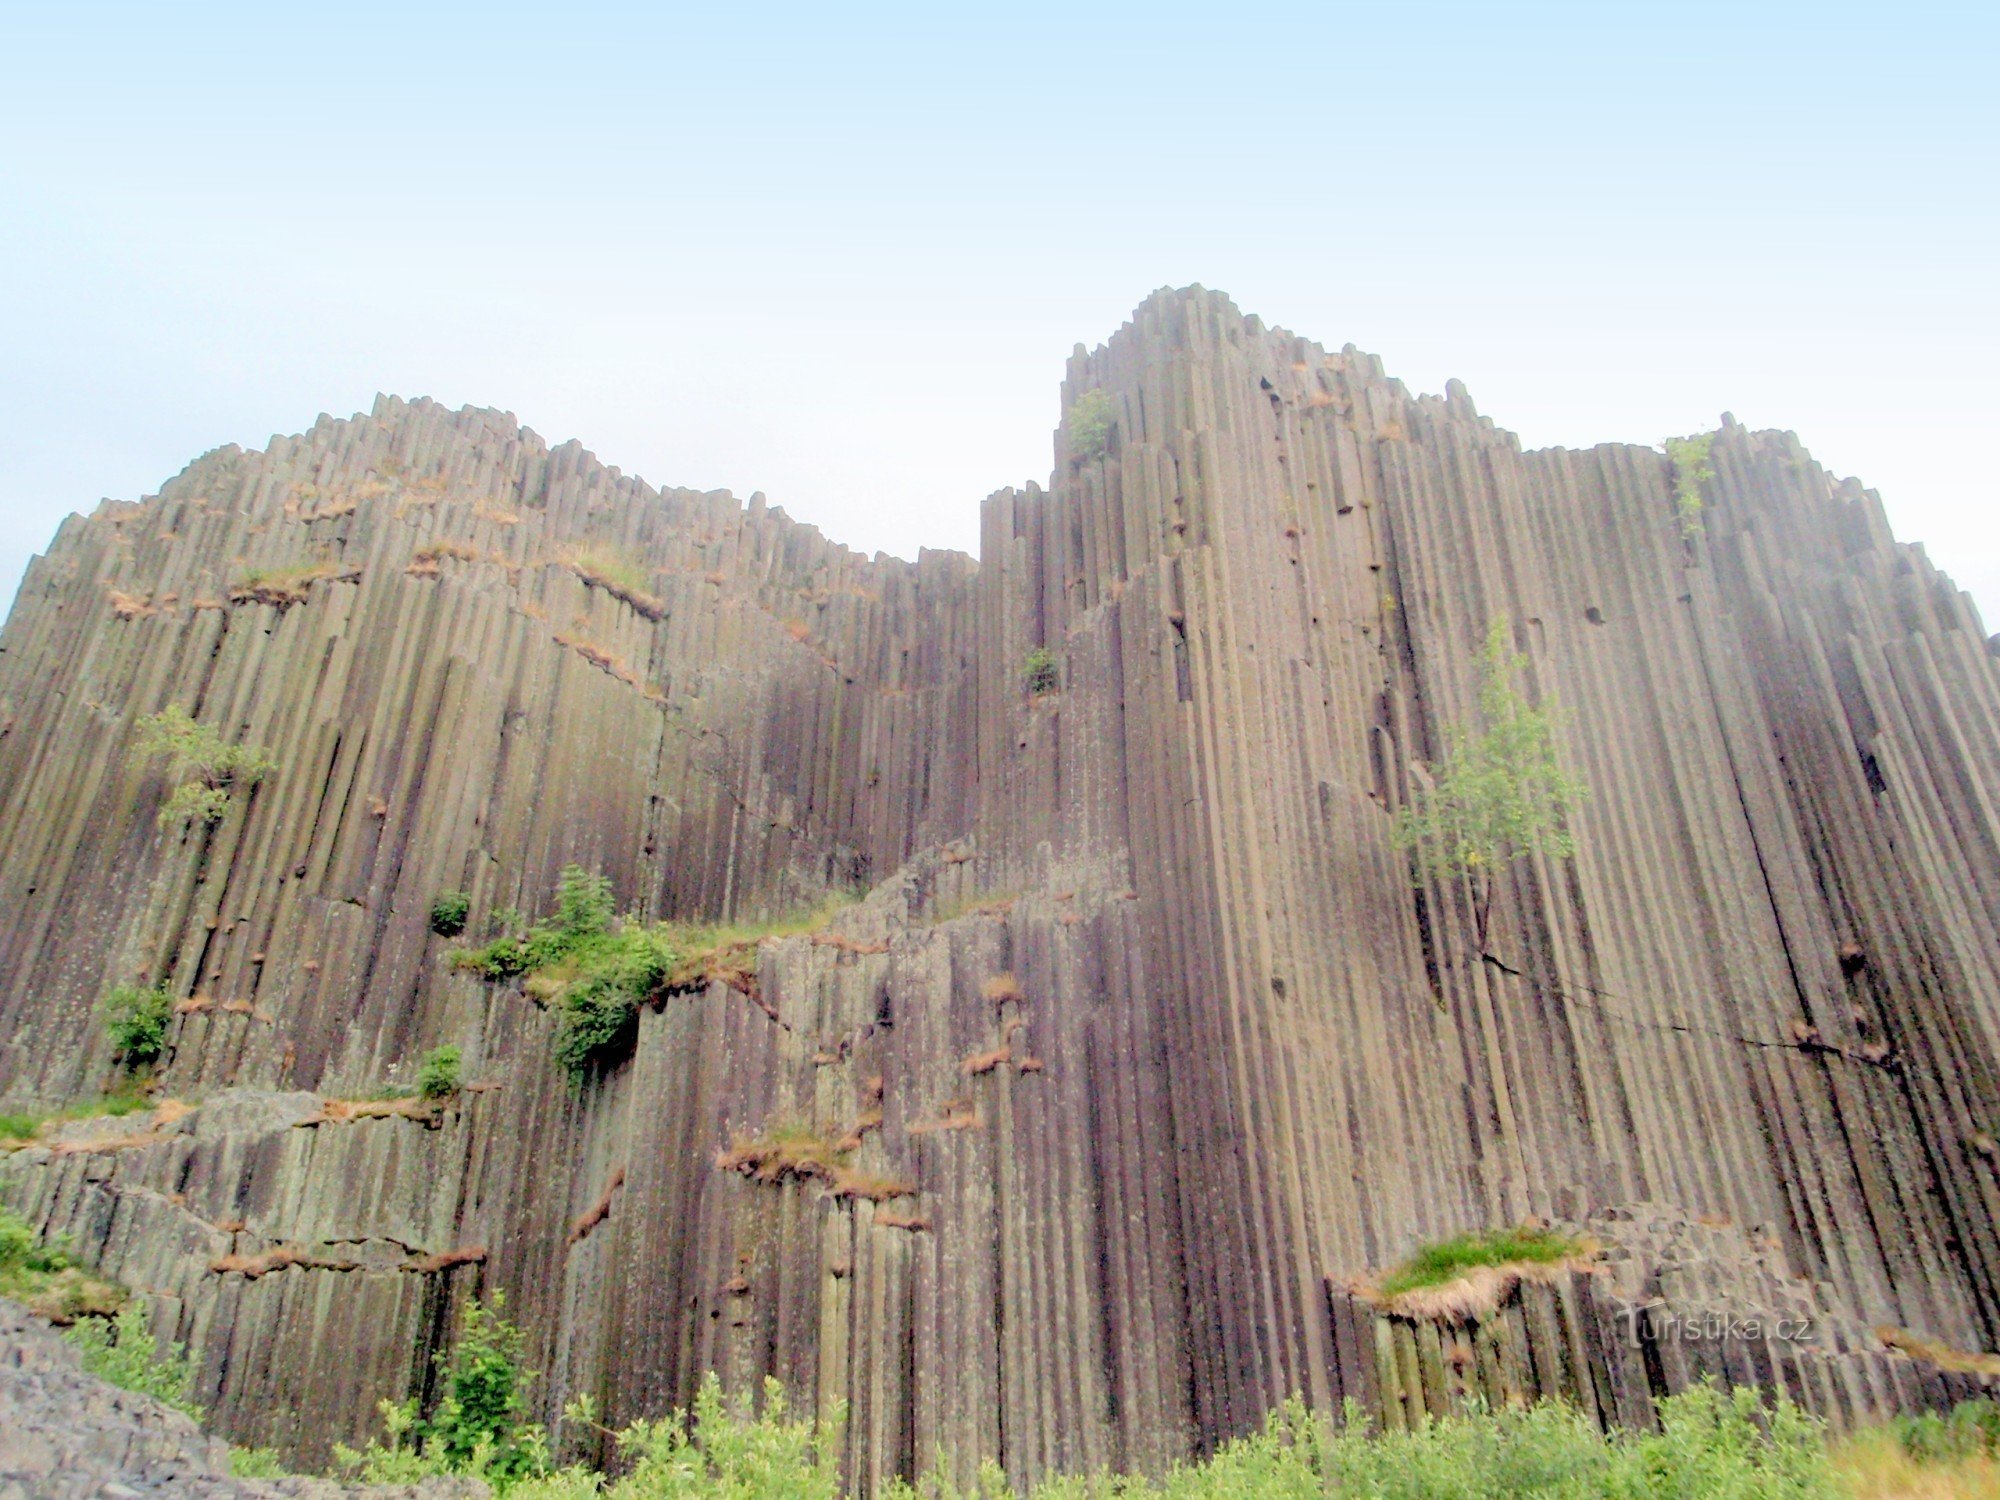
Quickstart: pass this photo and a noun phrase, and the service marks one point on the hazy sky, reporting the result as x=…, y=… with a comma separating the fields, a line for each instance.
x=839, y=253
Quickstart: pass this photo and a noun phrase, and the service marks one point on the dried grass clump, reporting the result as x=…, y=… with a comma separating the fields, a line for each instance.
x=847, y=944
x=444, y=1260
x=165, y=1113
x=607, y=660
x=346, y=1111
x=130, y=606
x=281, y=588
x=598, y=1212
x=783, y=1153
x=798, y=630
x=874, y=1187
x=981, y=1063
x=250, y=1267
x=959, y=1114
x=1943, y=1356
x=914, y=1223
x=868, y=1120
x=619, y=576
x=425, y=560
x=1002, y=988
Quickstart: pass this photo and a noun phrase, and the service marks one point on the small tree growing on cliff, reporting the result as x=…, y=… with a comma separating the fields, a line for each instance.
x=1498, y=794
x=1689, y=457
x=208, y=768
x=1090, y=419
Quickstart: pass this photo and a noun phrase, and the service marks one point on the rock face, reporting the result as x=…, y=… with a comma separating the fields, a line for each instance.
x=65, y=1435
x=1142, y=1010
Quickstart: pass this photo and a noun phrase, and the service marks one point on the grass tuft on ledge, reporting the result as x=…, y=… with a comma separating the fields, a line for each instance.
x=1454, y=1259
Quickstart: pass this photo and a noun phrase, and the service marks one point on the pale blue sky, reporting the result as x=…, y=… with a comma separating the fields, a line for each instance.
x=840, y=253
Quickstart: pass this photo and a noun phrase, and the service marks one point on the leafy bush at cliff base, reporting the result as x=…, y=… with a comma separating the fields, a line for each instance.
x=594, y=969
x=123, y=1351
x=136, y=1021
x=485, y=1408
x=480, y=1427
x=1710, y=1445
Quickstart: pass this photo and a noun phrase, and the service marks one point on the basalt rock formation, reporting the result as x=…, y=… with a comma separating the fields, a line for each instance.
x=1143, y=1044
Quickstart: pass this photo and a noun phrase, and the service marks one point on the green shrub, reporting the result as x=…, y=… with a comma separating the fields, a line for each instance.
x=448, y=913
x=438, y=1077
x=136, y=1021
x=485, y=1405
x=1972, y=1429
x=1447, y=1260
x=596, y=971
x=1040, y=673
x=19, y=1127
x=257, y=1463
x=1091, y=417
x=481, y=1425
x=124, y=1351
x=208, y=768
x=46, y=1280
x=1689, y=457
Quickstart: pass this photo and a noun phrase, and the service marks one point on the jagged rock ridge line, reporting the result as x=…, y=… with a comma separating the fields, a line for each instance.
x=1764, y=991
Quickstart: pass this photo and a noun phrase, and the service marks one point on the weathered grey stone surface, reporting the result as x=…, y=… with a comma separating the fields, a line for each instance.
x=1243, y=1059
x=65, y=1435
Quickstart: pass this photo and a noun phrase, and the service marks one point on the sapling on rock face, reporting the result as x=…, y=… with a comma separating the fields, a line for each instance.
x=208, y=768
x=136, y=1018
x=1689, y=457
x=1498, y=794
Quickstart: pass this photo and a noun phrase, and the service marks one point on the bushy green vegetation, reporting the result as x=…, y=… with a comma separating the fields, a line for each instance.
x=595, y=969
x=1927, y=1457
x=208, y=769
x=136, y=1020
x=480, y=1427
x=257, y=1463
x=1498, y=794
x=1447, y=1260
x=1091, y=417
x=448, y=913
x=46, y=1280
x=438, y=1078
x=1711, y=1445
x=130, y=1099
x=1689, y=456
x=727, y=1449
x=124, y=1351
x=1040, y=672
x=1971, y=1429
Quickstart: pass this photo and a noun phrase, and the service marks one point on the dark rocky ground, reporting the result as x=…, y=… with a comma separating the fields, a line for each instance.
x=65, y=1435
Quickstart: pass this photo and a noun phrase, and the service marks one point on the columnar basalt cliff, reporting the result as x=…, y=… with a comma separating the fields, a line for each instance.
x=1144, y=1037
